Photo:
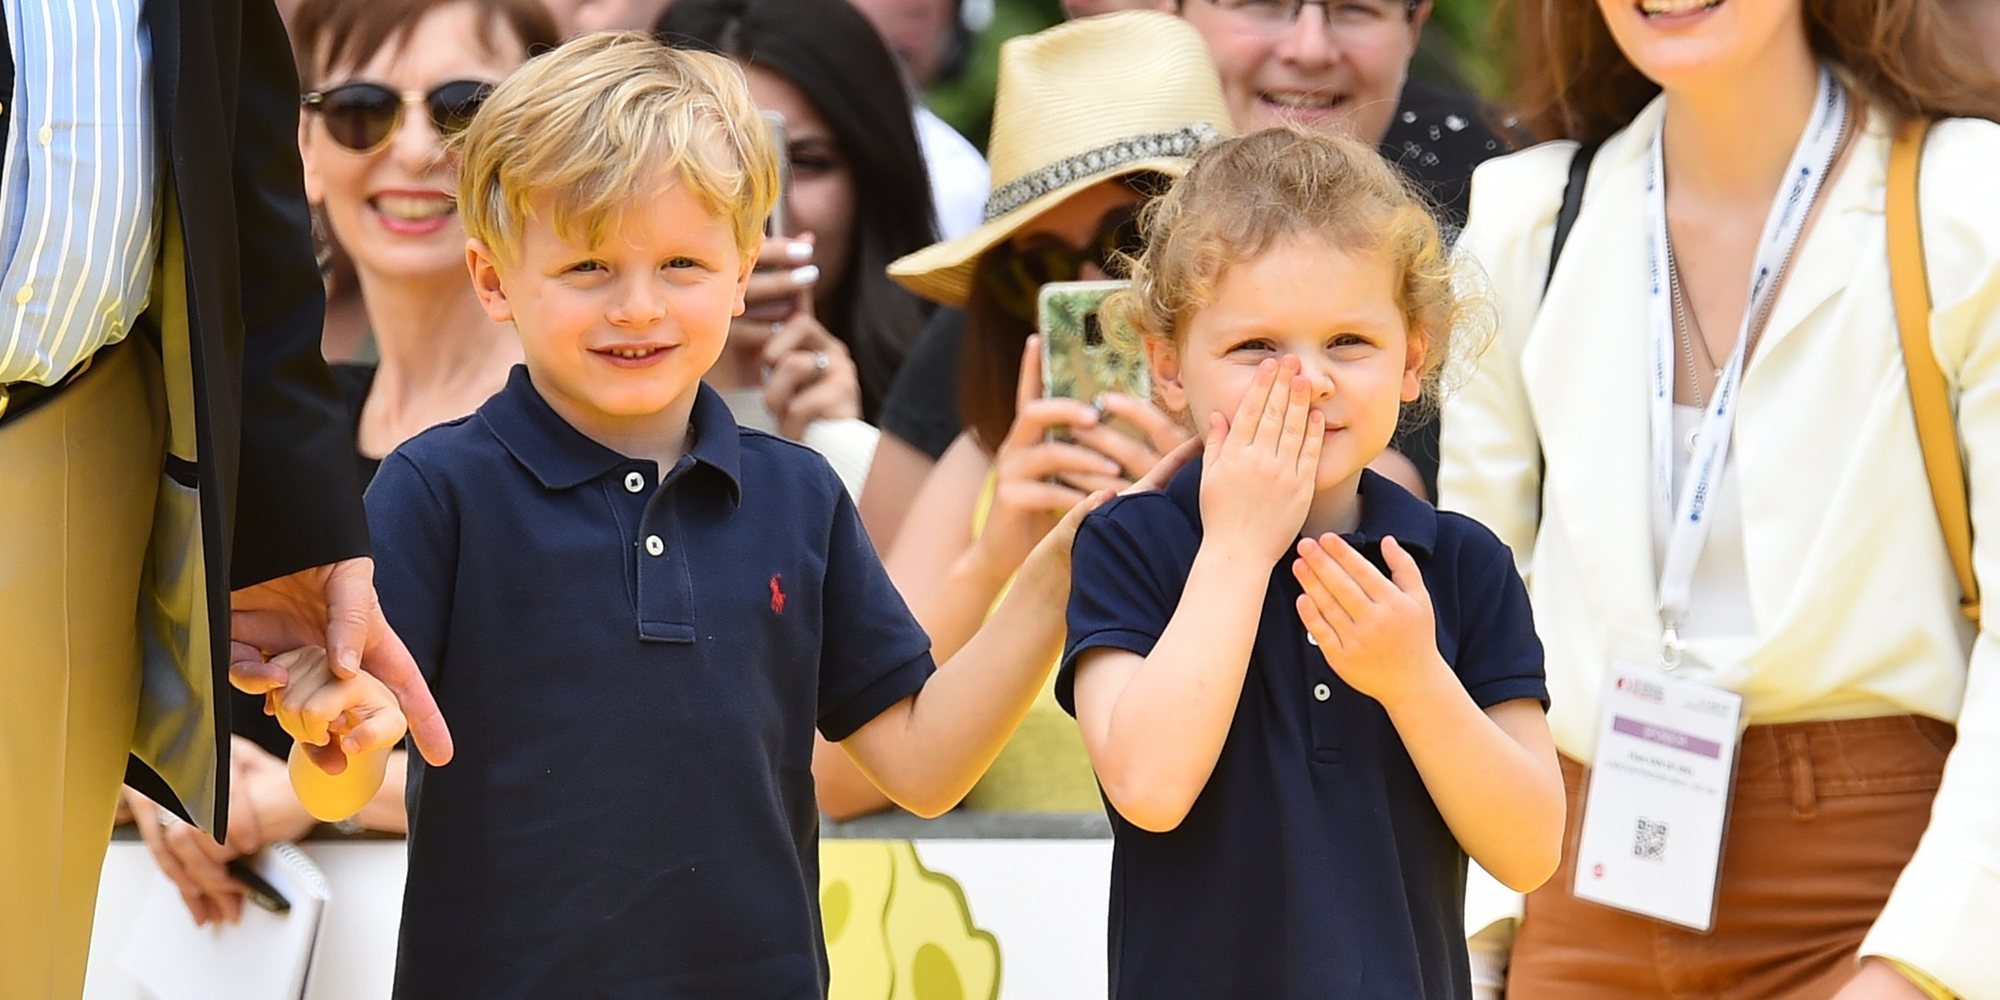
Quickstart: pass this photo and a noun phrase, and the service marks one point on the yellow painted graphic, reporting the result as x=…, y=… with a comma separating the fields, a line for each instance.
x=896, y=930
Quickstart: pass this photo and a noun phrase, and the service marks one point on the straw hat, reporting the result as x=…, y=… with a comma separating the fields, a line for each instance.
x=1080, y=103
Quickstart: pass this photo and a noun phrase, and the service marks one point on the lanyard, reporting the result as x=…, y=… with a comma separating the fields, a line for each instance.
x=1687, y=532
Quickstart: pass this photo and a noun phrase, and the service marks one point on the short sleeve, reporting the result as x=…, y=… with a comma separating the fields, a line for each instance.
x=1499, y=654
x=1128, y=568
x=873, y=653
x=416, y=559
x=922, y=406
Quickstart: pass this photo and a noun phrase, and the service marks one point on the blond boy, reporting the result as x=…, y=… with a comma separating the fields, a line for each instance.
x=634, y=612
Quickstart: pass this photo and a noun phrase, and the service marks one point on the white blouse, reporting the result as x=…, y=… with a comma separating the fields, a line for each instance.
x=1851, y=607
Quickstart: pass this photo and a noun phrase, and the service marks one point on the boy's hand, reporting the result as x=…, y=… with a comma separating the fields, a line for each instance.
x=1378, y=633
x=333, y=717
x=1259, y=468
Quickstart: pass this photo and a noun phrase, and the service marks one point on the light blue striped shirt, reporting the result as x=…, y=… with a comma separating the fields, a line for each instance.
x=79, y=198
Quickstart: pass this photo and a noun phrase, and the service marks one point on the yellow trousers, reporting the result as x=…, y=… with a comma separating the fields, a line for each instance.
x=78, y=476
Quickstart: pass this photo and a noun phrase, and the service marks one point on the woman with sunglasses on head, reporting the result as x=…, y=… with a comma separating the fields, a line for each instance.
x=1092, y=118
x=825, y=329
x=388, y=81
x=1698, y=433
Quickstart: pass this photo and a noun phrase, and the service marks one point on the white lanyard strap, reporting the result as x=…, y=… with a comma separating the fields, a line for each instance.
x=1690, y=512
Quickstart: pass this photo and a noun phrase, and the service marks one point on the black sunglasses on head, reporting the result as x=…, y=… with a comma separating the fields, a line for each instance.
x=363, y=116
x=1017, y=274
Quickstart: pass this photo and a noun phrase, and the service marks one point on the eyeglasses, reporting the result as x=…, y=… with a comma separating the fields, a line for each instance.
x=1016, y=275
x=363, y=116
x=1277, y=16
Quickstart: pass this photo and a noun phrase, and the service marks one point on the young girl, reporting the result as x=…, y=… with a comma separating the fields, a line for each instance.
x=1308, y=696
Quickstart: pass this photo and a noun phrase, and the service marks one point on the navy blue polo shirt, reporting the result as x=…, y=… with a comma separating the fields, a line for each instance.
x=632, y=670
x=1314, y=863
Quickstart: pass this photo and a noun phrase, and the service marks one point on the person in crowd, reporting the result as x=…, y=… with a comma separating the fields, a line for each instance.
x=176, y=477
x=857, y=200
x=386, y=82
x=931, y=42
x=1695, y=432
x=634, y=812
x=1092, y=117
x=1342, y=67
x=1307, y=694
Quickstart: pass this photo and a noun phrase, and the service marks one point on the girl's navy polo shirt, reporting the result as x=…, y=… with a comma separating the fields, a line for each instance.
x=632, y=670
x=1314, y=863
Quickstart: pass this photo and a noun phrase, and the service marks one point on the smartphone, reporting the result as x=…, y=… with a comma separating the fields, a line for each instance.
x=1078, y=361
x=777, y=224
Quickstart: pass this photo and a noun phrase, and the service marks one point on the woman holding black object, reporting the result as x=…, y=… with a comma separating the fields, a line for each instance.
x=1697, y=437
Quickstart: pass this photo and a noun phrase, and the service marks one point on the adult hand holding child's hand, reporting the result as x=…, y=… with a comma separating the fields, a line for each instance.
x=345, y=728
x=1258, y=468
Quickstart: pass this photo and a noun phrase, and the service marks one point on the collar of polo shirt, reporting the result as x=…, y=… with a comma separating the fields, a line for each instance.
x=561, y=457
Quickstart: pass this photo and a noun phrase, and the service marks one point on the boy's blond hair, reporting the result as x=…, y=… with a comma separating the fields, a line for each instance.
x=606, y=119
x=1243, y=195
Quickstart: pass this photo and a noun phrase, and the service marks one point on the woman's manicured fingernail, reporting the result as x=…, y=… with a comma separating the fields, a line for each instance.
x=806, y=275
x=798, y=252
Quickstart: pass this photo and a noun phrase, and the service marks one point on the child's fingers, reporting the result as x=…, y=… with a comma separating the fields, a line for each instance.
x=1403, y=569
x=1211, y=443
x=1298, y=405
x=1315, y=593
x=1317, y=625
x=369, y=733
x=330, y=758
x=1326, y=570
x=1309, y=449
x=1271, y=419
x=297, y=715
x=1364, y=574
x=1243, y=427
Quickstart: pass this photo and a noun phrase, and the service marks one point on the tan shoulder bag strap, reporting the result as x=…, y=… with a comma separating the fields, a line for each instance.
x=1929, y=397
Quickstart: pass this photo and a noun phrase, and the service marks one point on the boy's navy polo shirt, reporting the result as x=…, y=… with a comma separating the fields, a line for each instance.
x=1314, y=863
x=632, y=670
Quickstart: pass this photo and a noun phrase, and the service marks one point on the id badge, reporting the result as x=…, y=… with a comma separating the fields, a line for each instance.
x=1658, y=800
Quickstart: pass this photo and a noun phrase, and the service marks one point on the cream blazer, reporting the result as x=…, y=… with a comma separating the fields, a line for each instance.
x=1850, y=585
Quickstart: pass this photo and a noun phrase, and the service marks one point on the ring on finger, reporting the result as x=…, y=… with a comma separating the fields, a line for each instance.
x=821, y=362
x=167, y=818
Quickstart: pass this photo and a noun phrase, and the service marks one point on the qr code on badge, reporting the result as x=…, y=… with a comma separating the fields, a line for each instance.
x=1649, y=841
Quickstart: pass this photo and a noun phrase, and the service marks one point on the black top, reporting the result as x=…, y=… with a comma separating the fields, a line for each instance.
x=354, y=382
x=1314, y=863
x=922, y=406
x=1437, y=137
x=633, y=670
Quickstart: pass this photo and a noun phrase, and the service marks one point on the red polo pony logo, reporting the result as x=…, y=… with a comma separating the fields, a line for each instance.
x=778, y=593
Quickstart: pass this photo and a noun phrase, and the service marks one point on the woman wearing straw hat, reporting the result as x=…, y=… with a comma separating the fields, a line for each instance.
x=1091, y=118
